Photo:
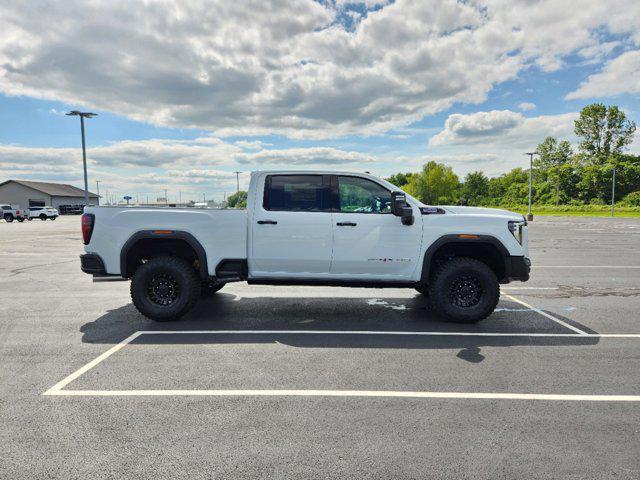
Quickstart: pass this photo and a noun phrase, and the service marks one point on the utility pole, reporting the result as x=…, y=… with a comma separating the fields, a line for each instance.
x=179, y=196
x=98, y=190
x=82, y=115
x=166, y=200
x=531, y=154
x=613, y=191
x=237, y=182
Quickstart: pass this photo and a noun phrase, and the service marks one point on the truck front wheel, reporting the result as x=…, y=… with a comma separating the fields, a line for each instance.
x=464, y=290
x=165, y=288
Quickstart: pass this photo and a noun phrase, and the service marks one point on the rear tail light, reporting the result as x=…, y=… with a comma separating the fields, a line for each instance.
x=17, y=212
x=87, y=227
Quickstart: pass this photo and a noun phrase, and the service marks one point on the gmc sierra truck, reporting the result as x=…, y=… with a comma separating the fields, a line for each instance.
x=310, y=228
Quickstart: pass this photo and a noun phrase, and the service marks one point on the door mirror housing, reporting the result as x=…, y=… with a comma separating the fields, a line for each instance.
x=400, y=207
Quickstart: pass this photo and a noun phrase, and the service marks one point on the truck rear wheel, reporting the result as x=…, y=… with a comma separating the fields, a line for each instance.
x=464, y=290
x=165, y=288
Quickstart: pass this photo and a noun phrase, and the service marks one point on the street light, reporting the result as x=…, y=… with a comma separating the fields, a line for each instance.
x=83, y=115
x=613, y=190
x=531, y=154
x=237, y=182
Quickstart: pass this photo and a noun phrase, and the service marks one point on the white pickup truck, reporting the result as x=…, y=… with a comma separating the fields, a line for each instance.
x=310, y=228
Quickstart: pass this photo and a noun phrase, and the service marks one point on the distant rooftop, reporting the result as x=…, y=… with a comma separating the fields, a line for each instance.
x=54, y=189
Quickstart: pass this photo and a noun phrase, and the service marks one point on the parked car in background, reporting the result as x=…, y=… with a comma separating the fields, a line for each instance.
x=12, y=212
x=43, y=213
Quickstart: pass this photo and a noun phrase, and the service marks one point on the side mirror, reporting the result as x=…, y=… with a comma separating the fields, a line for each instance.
x=400, y=208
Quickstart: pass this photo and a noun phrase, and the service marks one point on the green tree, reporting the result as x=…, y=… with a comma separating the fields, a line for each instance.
x=475, y=187
x=434, y=184
x=400, y=179
x=237, y=200
x=551, y=153
x=605, y=131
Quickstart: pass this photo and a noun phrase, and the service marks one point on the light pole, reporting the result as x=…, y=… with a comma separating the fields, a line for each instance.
x=98, y=190
x=237, y=182
x=83, y=115
x=613, y=190
x=531, y=154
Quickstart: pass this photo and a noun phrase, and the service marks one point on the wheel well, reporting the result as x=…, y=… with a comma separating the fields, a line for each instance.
x=144, y=249
x=484, y=252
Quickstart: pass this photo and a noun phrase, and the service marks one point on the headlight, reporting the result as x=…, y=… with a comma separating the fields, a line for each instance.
x=515, y=227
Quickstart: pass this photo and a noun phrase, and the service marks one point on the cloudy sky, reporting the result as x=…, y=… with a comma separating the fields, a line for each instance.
x=189, y=92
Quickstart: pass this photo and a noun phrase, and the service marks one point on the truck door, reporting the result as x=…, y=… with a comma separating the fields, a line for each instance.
x=369, y=242
x=291, y=227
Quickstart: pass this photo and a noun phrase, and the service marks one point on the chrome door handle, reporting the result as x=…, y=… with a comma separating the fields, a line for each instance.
x=346, y=224
x=267, y=222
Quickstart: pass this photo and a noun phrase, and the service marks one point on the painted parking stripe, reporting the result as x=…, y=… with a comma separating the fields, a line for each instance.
x=348, y=393
x=57, y=389
x=586, y=266
x=547, y=315
x=66, y=381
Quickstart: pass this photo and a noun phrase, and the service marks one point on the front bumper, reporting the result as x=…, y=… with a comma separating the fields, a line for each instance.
x=517, y=268
x=92, y=264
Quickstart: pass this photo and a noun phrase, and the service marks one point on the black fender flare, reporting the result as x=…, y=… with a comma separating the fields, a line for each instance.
x=166, y=234
x=470, y=238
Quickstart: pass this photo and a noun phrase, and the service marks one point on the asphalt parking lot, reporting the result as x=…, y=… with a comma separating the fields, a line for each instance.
x=297, y=382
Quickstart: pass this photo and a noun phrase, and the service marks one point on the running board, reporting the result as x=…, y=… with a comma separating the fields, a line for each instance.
x=109, y=278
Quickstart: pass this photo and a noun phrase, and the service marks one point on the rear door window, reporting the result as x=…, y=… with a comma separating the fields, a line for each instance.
x=297, y=193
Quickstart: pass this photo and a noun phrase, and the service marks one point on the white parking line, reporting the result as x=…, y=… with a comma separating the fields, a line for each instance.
x=586, y=266
x=547, y=315
x=57, y=389
x=63, y=383
x=528, y=288
x=348, y=393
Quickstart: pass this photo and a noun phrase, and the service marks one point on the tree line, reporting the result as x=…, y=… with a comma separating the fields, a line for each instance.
x=560, y=175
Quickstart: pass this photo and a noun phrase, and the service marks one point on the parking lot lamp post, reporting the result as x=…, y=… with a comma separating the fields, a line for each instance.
x=237, y=182
x=83, y=115
x=613, y=190
x=98, y=190
x=531, y=154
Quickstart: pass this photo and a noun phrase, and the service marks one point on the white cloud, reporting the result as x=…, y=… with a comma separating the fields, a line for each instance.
x=526, y=106
x=289, y=67
x=502, y=129
x=620, y=75
x=183, y=165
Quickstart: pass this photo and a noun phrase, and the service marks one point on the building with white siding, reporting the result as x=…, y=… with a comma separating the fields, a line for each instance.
x=38, y=194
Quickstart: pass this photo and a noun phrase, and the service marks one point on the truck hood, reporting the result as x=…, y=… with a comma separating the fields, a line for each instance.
x=494, y=212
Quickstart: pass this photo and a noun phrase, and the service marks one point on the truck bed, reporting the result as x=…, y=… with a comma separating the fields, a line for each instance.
x=222, y=233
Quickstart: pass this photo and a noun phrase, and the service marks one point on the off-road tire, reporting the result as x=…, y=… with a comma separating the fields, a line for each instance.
x=209, y=289
x=464, y=290
x=147, y=284
x=8, y=218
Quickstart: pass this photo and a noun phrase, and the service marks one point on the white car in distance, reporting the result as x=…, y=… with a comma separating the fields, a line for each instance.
x=43, y=213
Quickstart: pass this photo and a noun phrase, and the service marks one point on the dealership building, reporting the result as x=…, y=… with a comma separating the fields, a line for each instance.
x=27, y=194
